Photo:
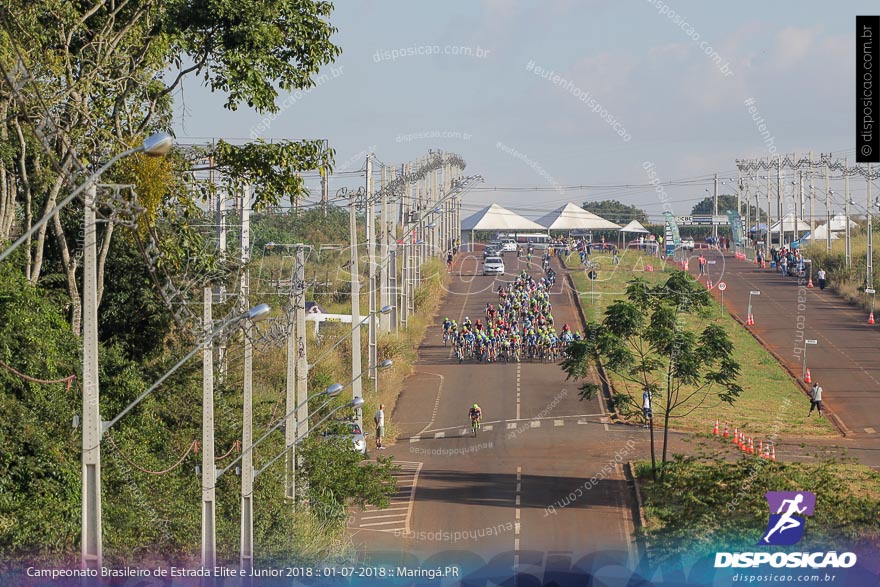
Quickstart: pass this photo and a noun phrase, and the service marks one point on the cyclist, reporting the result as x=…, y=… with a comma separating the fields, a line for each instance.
x=475, y=414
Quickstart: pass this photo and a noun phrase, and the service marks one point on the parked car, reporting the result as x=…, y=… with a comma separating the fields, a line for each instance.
x=341, y=428
x=493, y=266
x=687, y=244
x=508, y=245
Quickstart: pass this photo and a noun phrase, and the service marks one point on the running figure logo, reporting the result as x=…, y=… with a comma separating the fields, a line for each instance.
x=786, y=525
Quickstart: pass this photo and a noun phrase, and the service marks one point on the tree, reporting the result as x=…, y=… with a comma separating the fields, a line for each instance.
x=88, y=79
x=645, y=339
x=616, y=212
x=725, y=202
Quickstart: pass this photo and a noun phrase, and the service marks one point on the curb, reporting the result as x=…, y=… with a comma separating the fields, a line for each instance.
x=637, y=509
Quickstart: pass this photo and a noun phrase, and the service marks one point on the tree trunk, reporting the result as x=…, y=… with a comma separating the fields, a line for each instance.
x=70, y=266
x=41, y=234
x=102, y=260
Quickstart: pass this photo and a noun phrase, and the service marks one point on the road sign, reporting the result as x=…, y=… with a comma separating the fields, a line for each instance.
x=722, y=286
x=754, y=293
x=870, y=291
x=711, y=262
x=811, y=341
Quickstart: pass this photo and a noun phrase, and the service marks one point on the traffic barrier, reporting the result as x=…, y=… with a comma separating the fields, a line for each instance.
x=807, y=378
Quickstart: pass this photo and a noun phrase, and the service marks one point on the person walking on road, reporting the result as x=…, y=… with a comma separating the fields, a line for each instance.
x=379, y=420
x=646, y=407
x=816, y=399
x=820, y=277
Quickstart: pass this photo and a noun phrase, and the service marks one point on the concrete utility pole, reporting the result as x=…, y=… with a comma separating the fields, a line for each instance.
x=247, y=462
x=800, y=202
x=221, y=289
x=209, y=470
x=869, y=277
x=92, y=541
x=325, y=189
x=827, y=205
x=355, y=304
x=371, y=251
x=302, y=363
x=780, y=214
x=391, y=239
x=715, y=213
x=846, y=212
x=769, y=237
x=290, y=428
x=384, y=281
x=812, y=196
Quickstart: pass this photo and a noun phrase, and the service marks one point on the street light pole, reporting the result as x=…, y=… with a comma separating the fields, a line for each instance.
x=92, y=555
x=209, y=528
x=869, y=276
x=848, y=247
x=355, y=303
x=247, y=466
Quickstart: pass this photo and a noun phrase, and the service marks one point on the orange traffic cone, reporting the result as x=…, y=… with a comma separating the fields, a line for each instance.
x=751, y=447
x=750, y=321
x=760, y=452
x=807, y=378
x=763, y=264
x=726, y=431
x=871, y=318
x=735, y=438
x=715, y=430
x=810, y=282
x=773, y=452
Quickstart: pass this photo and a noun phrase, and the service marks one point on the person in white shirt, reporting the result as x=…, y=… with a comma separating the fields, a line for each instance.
x=820, y=276
x=646, y=407
x=816, y=399
x=379, y=420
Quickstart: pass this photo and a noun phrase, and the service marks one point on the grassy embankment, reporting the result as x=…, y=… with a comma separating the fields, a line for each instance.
x=847, y=283
x=770, y=402
x=715, y=505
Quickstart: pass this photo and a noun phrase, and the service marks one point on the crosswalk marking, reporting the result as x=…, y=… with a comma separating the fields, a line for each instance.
x=439, y=434
x=870, y=431
x=535, y=423
x=487, y=428
x=511, y=425
x=559, y=422
x=396, y=517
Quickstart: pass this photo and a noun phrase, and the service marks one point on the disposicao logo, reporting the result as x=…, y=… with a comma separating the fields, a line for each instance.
x=786, y=527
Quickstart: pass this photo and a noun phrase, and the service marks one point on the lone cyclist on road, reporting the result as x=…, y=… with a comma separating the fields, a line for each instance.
x=476, y=414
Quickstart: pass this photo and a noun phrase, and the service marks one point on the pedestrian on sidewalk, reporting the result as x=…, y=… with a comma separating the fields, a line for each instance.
x=816, y=399
x=379, y=420
x=820, y=276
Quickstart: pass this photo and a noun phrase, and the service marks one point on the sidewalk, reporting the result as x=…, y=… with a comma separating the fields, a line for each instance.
x=844, y=361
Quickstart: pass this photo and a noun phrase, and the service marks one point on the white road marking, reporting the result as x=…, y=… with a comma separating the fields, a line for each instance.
x=488, y=428
x=559, y=422
x=870, y=431
x=439, y=435
x=534, y=423
x=511, y=425
x=415, y=439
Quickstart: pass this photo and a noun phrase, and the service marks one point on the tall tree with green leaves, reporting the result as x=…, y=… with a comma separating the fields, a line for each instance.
x=616, y=211
x=85, y=79
x=651, y=339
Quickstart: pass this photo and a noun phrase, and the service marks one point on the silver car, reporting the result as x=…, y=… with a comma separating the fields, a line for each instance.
x=358, y=437
x=493, y=266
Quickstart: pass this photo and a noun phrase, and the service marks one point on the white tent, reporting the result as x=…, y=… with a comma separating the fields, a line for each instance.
x=573, y=217
x=790, y=224
x=495, y=217
x=839, y=223
x=634, y=226
x=821, y=233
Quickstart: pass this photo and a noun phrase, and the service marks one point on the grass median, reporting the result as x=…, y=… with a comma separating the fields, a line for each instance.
x=771, y=402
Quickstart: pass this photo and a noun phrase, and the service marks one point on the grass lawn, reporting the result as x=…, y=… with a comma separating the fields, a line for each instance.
x=771, y=402
x=704, y=507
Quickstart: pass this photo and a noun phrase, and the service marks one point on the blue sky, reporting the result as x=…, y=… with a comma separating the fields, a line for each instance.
x=648, y=72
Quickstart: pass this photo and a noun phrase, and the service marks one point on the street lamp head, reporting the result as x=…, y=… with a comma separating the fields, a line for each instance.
x=438, y=209
x=334, y=390
x=157, y=145
x=386, y=309
x=357, y=402
x=431, y=225
x=385, y=364
x=258, y=313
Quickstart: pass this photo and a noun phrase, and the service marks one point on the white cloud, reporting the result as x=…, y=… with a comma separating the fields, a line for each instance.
x=792, y=45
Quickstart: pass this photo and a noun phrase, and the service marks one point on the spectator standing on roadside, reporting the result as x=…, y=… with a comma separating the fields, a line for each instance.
x=379, y=420
x=702, y=264
x=646, y=407
x=820, y=277
x=816, y=399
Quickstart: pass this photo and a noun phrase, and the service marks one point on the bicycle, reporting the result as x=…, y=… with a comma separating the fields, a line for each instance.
x=475, y=425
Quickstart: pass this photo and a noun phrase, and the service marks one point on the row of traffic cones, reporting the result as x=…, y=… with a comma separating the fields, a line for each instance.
x=750, y=321
x=708, y=283
x=745, y=443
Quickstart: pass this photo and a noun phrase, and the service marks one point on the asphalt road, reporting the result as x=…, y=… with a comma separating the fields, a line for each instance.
x=519, y=495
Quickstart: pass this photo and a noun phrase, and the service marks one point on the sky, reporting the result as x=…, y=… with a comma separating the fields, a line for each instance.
x=542, y=96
